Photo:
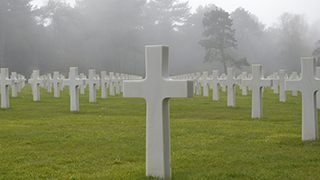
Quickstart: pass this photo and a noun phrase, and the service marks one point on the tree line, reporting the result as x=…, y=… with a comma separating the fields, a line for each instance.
x=111, y=35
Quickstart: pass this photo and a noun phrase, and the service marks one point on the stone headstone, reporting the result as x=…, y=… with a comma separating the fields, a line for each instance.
x=157, y=88
x=308, y=85
x=230, y=82
x=256, y=83
x=74, y=82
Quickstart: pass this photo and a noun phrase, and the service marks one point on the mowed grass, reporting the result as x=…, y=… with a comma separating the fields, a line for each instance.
x=106, y=139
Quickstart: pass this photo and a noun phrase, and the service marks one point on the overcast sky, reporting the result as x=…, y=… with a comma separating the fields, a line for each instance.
x=267, y=10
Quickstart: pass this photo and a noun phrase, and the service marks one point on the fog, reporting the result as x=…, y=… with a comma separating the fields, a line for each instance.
x=112, y=35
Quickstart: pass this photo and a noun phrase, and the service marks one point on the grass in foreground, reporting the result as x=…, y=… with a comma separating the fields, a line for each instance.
x=106, y=139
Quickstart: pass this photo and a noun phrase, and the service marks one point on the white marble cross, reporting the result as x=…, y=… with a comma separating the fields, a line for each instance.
x=244, y=87
x=308, y=85
x=35, y=82
x=74, y=82
x=230, y=82
x=15, y=84
x=294, y=76
x=105, y=81
x=117, y=82
x=56, y=81
x=122, y=78
x=275, y=83
x=197, y=83
x=82, y=87
x=282, y=93
x=5, y=82
x=112, y=83
x=157, y=88
x=318, y=93
x=223, y=77
x=204, y=83
x=92, y=82
x=49, y=83
x=256, y=83
x=214, y=85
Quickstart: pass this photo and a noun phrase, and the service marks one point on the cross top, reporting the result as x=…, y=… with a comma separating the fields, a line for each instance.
x=152, y=67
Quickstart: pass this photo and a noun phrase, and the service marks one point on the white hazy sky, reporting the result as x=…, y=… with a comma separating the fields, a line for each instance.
x=267, y=11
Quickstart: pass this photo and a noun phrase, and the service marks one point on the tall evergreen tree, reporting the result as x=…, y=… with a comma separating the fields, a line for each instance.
x=219, y=39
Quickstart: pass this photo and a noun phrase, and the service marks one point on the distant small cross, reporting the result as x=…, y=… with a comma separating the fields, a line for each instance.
x=230, y=82
x=256, y=83
x=35, y=82
x=92, y=82
x=74, y=82
x=214, y=85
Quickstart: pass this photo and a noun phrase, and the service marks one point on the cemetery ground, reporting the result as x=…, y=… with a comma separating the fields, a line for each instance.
x=106, y=139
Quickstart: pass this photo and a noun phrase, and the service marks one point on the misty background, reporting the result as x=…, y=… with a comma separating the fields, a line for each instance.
x=111, y=35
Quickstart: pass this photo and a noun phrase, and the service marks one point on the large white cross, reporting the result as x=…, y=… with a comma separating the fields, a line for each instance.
x=35, y=82
x=56, y=81
x=308, y=85
x=230, y=82
x=204, y=83
x=5, y=82
x=93, y=82
x=214, y=85
x=105, y=81
x=256, y=83
x=282, y=93
x=157, y=88
x=74, y=82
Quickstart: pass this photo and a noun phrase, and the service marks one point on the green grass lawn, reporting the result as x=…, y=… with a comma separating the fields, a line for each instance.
x=106, y=139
